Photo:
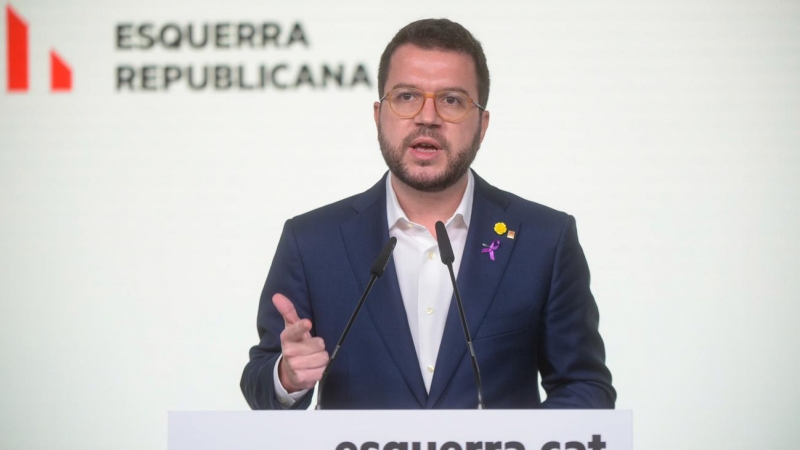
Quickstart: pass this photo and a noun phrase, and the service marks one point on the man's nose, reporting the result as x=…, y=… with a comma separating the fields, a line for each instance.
x=428, y=115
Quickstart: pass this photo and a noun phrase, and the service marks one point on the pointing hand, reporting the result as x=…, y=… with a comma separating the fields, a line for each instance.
x=304, y=357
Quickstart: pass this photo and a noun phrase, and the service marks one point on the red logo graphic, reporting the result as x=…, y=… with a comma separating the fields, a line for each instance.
x=17, y=53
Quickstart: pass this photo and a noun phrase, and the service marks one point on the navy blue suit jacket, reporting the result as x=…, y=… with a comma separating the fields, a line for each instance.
x=529, y=311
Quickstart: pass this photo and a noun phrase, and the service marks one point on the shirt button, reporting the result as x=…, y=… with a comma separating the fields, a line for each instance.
x=429, y=311
x=431, y=254
x=430, y=369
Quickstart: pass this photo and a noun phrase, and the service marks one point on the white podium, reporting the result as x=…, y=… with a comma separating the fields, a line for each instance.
x=402, y=430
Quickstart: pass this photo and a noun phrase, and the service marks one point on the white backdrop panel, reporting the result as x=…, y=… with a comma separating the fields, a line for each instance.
x=137, y=227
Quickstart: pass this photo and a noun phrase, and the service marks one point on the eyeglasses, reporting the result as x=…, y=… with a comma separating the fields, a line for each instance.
x=452, y=106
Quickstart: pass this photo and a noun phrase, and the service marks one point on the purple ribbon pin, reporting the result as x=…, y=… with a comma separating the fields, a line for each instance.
x=490, y=249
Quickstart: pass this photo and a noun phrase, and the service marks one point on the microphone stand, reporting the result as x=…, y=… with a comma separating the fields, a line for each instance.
x=377, y=270
x=446, y=252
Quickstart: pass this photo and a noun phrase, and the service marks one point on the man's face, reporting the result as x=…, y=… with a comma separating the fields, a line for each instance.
x=425, y=152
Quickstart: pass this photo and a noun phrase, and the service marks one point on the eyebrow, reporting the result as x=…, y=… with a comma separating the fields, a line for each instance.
x=456, y=88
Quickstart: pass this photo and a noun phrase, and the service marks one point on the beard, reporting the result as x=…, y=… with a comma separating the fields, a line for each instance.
x=457, y=164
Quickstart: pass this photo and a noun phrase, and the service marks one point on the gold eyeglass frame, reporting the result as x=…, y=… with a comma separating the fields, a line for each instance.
x=431, y=95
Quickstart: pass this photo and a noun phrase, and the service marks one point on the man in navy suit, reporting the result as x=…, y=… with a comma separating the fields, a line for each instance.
x=522, y=274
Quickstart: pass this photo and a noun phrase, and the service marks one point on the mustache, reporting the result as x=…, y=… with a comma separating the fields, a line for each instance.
x=428, y=133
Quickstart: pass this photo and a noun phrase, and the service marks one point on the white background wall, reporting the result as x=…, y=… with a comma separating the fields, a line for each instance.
x=136, y=229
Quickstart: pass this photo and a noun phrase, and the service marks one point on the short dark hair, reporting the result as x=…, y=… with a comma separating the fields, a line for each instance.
x=438, y=34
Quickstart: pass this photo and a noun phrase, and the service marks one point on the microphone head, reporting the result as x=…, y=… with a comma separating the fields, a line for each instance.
x=445, y=249
x=379, y=266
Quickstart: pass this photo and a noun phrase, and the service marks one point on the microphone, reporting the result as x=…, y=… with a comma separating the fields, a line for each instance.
x=383, y=258
x=378, y=267
x=446, y=252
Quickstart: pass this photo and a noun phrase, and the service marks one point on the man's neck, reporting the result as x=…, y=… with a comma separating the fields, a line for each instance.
x=427, y=208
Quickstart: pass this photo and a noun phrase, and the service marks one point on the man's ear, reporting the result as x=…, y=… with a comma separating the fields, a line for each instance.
x=376, y=111
x=484, y=123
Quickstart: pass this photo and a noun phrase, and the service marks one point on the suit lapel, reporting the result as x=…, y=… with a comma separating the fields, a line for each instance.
x=364, y=236
x=478, y=280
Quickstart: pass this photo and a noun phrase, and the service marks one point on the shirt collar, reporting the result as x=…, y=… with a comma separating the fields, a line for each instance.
x=394, y=212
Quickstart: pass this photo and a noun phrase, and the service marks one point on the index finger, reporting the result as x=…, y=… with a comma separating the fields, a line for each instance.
x=286, y=308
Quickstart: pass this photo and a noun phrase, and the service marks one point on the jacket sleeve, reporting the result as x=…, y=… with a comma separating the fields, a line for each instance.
x=572, y=364
x=286, y=276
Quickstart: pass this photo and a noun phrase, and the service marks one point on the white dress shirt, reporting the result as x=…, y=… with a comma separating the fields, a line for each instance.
x=424, y=281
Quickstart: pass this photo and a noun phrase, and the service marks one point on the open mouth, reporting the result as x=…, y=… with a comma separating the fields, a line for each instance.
x=425, y=145
x=425, y=148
